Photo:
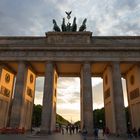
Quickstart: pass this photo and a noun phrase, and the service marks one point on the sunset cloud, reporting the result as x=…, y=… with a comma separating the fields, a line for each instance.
x=34, y=17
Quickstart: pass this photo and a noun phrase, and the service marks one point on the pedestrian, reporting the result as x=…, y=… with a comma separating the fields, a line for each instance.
x=62, y=131
x=67, y=128
x=76, y=128
x=70, y=129
x=96, y=133
x=73, y=128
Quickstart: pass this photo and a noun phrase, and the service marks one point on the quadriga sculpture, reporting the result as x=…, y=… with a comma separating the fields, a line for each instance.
x=63, y=26
x=56, y=27
x=83, y=26
x=74, y=25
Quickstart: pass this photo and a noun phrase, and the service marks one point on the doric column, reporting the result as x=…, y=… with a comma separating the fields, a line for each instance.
x=49, y=103
x=86, y=98
x=18, y=101
x=118, y=99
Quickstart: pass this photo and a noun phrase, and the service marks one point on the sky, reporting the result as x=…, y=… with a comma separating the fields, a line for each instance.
x=68, y=95
x=104, y=18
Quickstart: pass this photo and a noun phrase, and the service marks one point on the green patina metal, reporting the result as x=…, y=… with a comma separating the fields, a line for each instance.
x=69, y=27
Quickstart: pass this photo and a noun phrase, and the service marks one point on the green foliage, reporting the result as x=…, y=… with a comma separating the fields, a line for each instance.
x=60, y=120
x=77, y=123
x=127, y=116
x=99, y=117
x=36, y=118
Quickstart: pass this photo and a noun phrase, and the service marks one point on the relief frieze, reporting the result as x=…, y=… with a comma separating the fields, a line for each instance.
x=83, y=55
x=29, y=92
x=4, y=91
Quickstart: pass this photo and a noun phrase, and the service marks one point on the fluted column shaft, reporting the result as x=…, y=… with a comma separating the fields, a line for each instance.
x=48, y=98
x=118, y=99
x=86, y=98
x=18, y=100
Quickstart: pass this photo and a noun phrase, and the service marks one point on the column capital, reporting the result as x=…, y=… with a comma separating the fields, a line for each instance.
x=23, y=62
x=49, y=62
x=111, y=64
x=86, y=62
x=115, y=63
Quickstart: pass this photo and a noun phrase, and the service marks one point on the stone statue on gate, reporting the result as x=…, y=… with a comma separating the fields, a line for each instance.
x=68, y=24
x=68, y=14
x=74, y=25
x=56, y=27
x=83, y=26
x=63, y=26
x=69, y=27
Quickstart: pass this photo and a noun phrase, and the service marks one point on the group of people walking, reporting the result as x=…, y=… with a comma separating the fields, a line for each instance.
x=70, y=129
x=74, y=129
x=133, y=132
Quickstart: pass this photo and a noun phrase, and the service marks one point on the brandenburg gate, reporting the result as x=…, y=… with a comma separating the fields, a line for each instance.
x=79, y=54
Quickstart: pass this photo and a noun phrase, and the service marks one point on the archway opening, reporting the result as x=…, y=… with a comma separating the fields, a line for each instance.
x=98, y=103
x=37, y=109
x=68, y=99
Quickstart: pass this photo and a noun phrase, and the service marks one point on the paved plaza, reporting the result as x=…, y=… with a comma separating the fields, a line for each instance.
x=58, y=137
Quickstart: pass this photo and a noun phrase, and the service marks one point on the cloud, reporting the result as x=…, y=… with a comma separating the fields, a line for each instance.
x=38, y=97
x=71, y=115
x=27, y=18
x=60, y=101
x=40, y=84
x=34, y=17
x=97, y=91
x=66, y=86
x=126, y=4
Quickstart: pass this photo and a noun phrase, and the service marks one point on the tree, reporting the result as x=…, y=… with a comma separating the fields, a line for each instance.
x=99, y=118
x=36, y=118
x=60, y=120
